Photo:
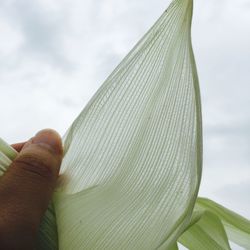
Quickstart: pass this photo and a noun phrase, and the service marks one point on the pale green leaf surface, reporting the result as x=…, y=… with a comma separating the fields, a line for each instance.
x=236, y=226
x=133, y=157
x=7, y=150
x=206, y=234
x=7, y=154
x=4, y=163
x=212, y=226
x=132, y=166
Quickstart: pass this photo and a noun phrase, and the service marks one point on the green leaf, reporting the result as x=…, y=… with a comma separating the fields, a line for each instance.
x=236, y=226
x=206, y=234
x=132, y=166
x=212, y=226
x=7, y=154
x=174, y=247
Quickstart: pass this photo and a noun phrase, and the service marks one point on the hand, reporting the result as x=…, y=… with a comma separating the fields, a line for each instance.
x=26, y=189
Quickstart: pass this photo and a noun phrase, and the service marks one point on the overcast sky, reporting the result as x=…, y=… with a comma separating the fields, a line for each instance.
x=55, y=54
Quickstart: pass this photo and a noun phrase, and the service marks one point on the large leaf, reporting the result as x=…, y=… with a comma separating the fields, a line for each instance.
x=132, y=164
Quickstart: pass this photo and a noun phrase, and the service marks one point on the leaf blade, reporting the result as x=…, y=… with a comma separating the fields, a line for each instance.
x=136, y=147
x=236, y=226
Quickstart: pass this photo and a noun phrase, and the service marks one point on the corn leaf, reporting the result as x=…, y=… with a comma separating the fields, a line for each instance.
x=132, y=163
x=208, y=233
x=236, y=226
x=212, y=226
x=7, y=154
x=132, y=166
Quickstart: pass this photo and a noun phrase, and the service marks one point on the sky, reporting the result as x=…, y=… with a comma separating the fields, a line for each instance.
x=55, y=54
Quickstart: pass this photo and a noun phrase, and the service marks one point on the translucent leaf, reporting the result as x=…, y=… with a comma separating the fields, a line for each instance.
x=132, y=164
x=7, y=154
x=212, y=226
x=236, y=226
x=206, y=234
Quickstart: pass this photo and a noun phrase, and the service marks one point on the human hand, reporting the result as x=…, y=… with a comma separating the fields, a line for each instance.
x=26, y=189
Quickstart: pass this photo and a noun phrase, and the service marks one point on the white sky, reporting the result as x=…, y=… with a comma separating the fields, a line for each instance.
x=55, y=54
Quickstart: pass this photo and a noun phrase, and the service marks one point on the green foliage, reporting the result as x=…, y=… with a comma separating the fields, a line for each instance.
x=132, y=165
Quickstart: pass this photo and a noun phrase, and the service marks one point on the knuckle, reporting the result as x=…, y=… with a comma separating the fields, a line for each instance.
x=35, y=166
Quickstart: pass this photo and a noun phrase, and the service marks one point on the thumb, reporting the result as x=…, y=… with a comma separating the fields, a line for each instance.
x=27, y=187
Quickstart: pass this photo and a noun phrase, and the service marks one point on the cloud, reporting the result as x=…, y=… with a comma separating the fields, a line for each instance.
x=41, y=31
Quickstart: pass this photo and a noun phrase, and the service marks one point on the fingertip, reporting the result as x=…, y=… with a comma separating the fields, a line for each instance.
x=48, y=138
x=44, y=149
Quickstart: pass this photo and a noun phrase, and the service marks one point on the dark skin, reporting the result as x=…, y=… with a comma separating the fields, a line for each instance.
x=26, y=189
